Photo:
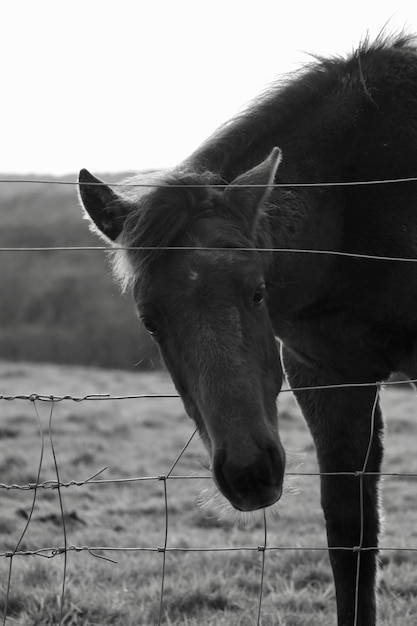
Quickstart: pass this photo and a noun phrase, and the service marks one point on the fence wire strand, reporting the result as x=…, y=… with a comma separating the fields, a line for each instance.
x=155, y=185
x=361, y=475
x=262, y=550
x=116, y=248
x=96, y=480
x=15, y=551
x=61, y=508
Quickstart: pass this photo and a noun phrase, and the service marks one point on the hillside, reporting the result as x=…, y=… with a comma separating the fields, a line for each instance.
x=61, y=307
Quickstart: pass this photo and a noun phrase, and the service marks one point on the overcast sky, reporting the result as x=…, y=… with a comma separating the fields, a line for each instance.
x=134, y=84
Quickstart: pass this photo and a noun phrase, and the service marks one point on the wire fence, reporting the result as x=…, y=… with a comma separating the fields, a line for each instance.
x=106, y=552
x=58, y=485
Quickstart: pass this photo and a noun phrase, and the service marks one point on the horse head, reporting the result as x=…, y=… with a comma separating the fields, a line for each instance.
x=200, y=286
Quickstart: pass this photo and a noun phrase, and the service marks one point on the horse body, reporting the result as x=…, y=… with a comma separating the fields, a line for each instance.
x=216, y=306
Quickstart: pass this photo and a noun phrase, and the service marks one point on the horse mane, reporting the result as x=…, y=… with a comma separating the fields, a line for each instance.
x=289, y=96
x=161, y=216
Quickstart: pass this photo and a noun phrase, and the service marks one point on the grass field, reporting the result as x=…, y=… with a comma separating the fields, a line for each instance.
x=142, y=438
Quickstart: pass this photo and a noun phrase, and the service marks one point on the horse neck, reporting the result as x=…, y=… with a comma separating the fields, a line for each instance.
x=300, y=221
x=296, y=117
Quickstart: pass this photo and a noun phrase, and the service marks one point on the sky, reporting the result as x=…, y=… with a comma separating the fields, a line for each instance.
x=116, y=85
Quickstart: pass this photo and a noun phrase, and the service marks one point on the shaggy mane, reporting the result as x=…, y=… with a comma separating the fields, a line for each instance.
x=160, y=218
x=240, y=138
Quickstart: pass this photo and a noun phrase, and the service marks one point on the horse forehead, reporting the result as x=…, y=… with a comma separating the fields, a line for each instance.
x=203, y=264
x=177, y=269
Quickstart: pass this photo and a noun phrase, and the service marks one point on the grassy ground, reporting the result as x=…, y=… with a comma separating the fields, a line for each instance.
x=142, y=438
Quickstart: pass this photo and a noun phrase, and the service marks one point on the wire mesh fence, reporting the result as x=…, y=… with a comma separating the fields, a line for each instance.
x=109, y=552
x=57, y=485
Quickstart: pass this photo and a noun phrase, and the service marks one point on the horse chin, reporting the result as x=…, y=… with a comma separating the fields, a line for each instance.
x=216, y=505
x=251, y=505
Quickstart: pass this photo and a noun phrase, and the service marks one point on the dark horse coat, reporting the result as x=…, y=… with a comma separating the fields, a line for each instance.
x=219, y=271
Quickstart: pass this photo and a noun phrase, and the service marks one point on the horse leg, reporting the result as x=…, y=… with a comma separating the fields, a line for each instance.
x=346, y=424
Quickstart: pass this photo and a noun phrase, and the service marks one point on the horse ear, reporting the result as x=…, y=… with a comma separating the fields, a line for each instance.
x=250, y=190
x=106, y=209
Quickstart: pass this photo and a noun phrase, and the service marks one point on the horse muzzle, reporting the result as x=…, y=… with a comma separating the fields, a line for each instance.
x=250, y=480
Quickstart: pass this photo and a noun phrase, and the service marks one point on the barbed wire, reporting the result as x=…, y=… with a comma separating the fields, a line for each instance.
x=54, y=484
x=54, y=551
x=33, y=397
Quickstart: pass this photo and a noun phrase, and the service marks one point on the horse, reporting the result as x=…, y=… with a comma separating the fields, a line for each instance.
x=269, y=250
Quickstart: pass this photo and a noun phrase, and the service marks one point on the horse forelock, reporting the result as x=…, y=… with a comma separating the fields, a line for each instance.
x=161, y=218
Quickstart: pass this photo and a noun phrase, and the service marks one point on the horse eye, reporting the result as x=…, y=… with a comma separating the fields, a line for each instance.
x=150, y=326
x=259, y=295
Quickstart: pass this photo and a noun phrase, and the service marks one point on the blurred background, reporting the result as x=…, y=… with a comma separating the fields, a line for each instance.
x=61, y=306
